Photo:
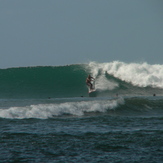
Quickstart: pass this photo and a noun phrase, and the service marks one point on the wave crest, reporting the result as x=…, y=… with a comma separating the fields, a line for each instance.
x=139, y=74
x=44, y=111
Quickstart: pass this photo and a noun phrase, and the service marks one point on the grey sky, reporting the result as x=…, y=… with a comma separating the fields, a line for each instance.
x=61, y=32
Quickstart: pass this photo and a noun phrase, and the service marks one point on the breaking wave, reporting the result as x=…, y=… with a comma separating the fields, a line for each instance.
x=69, y=81
x=56, y=108
x=77, y=107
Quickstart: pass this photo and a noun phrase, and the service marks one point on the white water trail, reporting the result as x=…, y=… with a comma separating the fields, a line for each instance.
x=103, y=84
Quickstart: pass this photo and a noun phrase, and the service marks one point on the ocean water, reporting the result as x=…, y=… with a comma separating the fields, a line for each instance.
x=47, y=115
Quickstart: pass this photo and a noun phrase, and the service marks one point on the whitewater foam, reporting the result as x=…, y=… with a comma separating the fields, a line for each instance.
x=139, y=74
x=102, y=83
x=44, y=111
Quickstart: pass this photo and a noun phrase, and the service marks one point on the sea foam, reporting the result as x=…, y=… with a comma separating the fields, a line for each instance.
x=139, y=74
x=44, y=111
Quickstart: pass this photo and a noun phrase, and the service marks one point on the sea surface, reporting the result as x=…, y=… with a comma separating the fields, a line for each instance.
x=47, y=114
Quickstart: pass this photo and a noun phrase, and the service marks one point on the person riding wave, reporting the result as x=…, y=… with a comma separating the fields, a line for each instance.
x=88, y=81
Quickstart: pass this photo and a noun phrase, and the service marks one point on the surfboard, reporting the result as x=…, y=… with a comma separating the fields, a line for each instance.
x=92, y=93
x=92, y=90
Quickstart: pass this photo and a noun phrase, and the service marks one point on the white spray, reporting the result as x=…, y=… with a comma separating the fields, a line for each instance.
x=44, y=111
x=139, y=74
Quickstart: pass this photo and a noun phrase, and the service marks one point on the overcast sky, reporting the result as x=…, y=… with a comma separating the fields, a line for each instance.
x=61, y=32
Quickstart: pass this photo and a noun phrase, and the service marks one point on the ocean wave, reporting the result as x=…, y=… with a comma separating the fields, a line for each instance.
x=79, y=107
x=69, y=81
x=75, y=108
x=138, y=74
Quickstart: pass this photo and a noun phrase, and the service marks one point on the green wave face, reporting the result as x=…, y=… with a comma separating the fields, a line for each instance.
x=43, y=82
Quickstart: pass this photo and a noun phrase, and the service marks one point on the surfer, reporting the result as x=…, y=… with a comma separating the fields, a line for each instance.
x=88, y=81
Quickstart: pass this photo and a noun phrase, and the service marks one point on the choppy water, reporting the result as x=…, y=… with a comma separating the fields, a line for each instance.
x=46, y=114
